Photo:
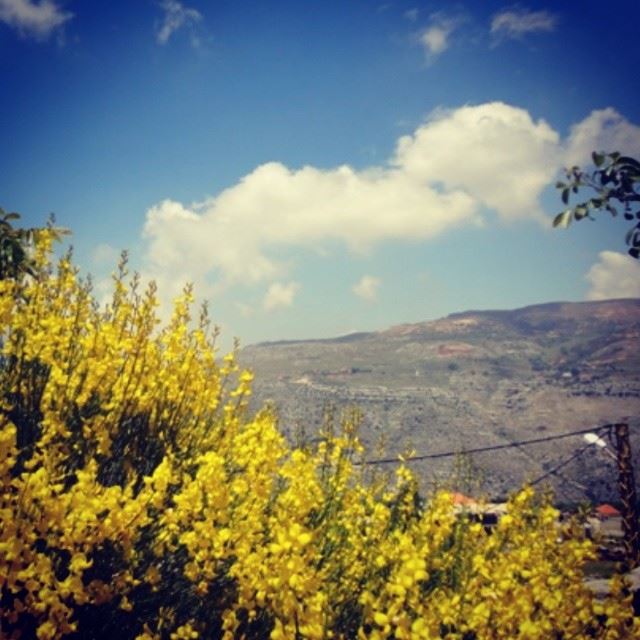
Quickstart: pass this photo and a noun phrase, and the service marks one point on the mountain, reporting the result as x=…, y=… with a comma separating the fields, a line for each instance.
x=474, y=379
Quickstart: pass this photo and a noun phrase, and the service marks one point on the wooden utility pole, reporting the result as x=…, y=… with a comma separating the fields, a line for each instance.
x=627, y=487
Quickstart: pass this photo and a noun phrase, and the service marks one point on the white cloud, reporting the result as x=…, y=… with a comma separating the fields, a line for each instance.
x=241, y=234
x=444, y=176
x=517, y=22
x=37, y=20
x=615, y=275
x=435, y=37
x=177, y=16
x=367, y=288
x=434, y=40
x=602, y=130
x=493, y=151
x=280, y=295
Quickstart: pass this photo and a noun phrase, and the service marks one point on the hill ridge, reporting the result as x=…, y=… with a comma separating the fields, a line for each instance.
x=475, y=377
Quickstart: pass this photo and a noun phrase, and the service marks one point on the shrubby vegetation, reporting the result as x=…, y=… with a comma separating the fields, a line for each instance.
x=141, y=499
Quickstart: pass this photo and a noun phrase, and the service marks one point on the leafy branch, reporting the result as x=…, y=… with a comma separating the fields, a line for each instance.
x=616, y=182
x=16, y=245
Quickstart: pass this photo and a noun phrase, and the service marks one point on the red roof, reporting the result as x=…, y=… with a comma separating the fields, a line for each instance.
x=607, y=511
x=459, y=498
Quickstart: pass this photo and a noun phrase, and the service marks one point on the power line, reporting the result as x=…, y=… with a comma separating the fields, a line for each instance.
x=510, y=445
x=559, y=466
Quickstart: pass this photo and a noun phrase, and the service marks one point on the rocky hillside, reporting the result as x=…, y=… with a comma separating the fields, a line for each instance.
x=473, y=379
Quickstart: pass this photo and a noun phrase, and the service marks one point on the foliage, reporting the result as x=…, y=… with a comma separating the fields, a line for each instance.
x=616, y=179
x=141, y=499
x=16, y=245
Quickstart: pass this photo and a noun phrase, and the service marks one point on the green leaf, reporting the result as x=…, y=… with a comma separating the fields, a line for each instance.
x=628, y=163
x=560, y=185
x=629, y=235
x=580, y=212
x=598, y=158
x=563, y=220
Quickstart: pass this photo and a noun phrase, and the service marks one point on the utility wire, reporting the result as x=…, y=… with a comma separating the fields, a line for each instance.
x=559, y=466
x=510, y=445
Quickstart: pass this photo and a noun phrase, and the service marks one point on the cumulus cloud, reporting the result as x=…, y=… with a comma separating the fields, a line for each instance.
x=454, y=168
x=30, y=19
x=603, y=130
x=242, y=233
x=436, y=37
x=280, y=295
x=615, y=275
x=517, y=22
x=177, y=16
x=494, y=151
x=367, y=288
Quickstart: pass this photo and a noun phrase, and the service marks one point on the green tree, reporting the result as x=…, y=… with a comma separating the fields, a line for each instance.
x=16, y=245
x=615, y=181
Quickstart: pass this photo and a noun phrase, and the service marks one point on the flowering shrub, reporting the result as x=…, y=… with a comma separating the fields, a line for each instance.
x=140, y=499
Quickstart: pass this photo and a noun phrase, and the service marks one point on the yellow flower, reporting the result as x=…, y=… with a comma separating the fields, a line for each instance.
x=147, y=466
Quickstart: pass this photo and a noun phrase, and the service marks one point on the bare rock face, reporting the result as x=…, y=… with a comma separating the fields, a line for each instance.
x=470, y=380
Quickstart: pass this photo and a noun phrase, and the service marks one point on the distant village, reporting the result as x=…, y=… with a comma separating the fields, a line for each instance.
x=603, y=525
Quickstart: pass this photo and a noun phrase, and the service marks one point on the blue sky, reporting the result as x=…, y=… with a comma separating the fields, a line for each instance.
x=317, y=168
